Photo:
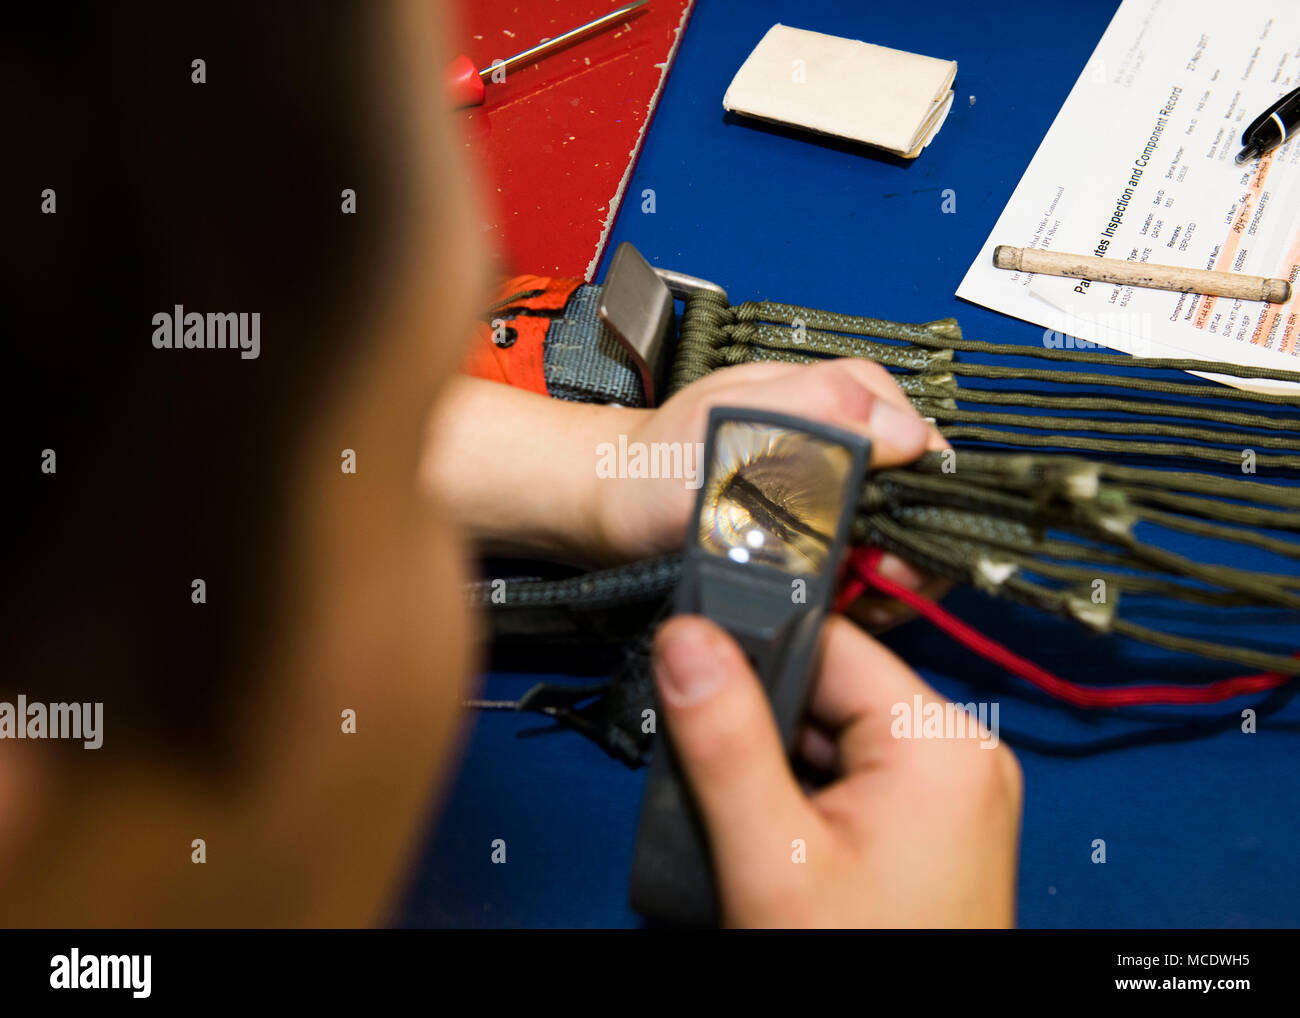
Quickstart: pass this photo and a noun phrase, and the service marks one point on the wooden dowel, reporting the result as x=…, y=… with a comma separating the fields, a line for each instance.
x=1158, y=277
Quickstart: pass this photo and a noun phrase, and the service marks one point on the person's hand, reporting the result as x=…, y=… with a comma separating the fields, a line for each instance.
x=914, y=832
x=638, y=517
x=530, y=476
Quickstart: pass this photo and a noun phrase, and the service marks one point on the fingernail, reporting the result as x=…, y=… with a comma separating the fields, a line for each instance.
x=688, y=667
x=904, y=429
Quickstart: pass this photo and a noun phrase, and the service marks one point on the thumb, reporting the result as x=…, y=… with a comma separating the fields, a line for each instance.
x=726, y=741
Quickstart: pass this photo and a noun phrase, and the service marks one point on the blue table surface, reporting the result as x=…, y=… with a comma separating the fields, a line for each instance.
x=1201, y=821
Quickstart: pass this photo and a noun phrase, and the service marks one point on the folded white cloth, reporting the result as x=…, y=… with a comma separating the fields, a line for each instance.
x=888, y=98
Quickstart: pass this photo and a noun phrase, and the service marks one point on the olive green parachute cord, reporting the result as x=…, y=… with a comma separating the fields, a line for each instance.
x=1204, y=484
x=1039, y=401
x=946, y=335
x=998, y=518
x=938, y=412
x=714, y=334
x=1130, y=447
x=1121, y=381
x=999, y=534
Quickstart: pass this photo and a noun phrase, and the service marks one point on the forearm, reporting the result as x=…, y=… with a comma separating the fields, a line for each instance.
x=518, y=470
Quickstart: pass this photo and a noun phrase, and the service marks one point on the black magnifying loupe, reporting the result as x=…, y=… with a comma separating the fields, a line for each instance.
x=762, y=555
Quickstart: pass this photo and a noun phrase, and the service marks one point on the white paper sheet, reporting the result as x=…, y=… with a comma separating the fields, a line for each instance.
x=1138, y=165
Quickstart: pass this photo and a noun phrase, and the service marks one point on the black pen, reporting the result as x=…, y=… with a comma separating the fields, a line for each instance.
x=1271, y=128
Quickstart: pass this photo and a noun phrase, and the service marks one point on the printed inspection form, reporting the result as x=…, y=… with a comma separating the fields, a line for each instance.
x=1138, y=166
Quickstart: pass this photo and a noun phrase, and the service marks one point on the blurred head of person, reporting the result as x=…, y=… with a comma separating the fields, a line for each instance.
x=274, y=736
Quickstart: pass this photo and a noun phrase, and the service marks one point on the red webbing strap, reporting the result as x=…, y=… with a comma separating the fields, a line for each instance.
x=521, y=363
x=862, y=573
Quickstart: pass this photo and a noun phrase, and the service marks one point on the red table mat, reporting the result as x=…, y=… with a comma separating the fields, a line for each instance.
x=557, y=141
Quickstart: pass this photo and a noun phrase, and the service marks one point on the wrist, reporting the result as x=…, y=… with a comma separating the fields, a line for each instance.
x=605, y=512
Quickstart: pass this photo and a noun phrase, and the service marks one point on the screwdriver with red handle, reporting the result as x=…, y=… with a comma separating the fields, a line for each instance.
x=466, y=83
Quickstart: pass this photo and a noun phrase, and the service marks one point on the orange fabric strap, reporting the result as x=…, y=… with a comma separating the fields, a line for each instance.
x=518, y=362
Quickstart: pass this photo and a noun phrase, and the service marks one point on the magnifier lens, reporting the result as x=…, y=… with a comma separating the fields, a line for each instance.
x=773, y=496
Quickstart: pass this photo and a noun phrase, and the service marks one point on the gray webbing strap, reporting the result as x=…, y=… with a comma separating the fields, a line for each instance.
x=583, y=360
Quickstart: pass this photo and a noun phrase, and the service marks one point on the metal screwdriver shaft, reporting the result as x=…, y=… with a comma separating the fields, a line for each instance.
x=466, y=83
x=550, y=45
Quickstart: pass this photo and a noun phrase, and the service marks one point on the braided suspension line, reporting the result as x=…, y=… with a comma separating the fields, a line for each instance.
x=715, y=334
x=984, y=523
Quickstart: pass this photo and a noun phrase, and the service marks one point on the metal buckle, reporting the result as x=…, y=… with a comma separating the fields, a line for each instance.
x=636, y=305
